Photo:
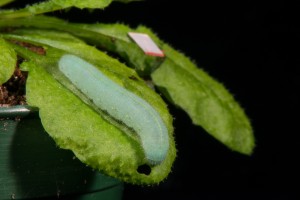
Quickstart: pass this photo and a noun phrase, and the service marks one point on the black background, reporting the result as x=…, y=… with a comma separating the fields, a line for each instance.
x=253, y=49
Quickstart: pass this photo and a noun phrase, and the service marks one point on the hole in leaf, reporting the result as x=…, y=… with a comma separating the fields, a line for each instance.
x=144, y=169
x=133, y=78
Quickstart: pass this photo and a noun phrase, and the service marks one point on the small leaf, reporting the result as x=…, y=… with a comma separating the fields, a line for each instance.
x=8, y=61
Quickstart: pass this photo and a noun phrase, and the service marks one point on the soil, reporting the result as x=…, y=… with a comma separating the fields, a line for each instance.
x=13, y=91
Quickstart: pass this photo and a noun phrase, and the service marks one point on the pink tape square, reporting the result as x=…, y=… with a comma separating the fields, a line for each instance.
x=146, y=44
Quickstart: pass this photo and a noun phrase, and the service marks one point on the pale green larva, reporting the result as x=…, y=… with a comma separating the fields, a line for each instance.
x=120, y=104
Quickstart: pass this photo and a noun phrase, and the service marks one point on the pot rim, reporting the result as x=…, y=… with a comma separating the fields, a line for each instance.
x=17, y=111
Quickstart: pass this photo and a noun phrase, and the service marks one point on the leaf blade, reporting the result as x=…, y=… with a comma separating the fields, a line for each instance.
x=207, y=102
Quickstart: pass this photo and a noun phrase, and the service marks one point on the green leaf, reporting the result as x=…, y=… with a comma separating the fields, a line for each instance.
x=54, y=5
x=8, y=61
x=75, y=125
x=205, y=100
